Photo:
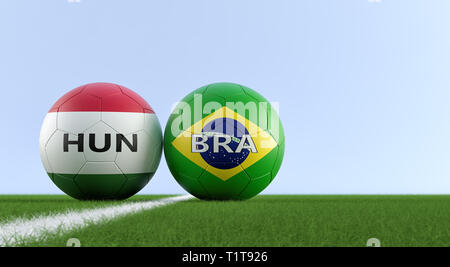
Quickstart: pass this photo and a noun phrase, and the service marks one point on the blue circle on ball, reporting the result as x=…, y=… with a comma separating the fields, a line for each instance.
x=224, y=159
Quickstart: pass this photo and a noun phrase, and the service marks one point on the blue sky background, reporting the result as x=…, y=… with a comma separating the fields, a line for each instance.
x=364, y=87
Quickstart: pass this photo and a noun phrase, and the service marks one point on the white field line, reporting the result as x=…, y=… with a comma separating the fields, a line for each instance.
x=20, y=231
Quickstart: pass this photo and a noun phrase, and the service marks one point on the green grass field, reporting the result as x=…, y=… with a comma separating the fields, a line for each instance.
x=262, y=221
x=27, y=206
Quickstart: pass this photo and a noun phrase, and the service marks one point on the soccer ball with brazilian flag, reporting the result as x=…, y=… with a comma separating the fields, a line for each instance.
x=224, y=141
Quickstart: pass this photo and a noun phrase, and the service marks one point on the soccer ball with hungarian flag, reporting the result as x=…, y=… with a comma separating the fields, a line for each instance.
x=224, y=141
x=101, y=141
